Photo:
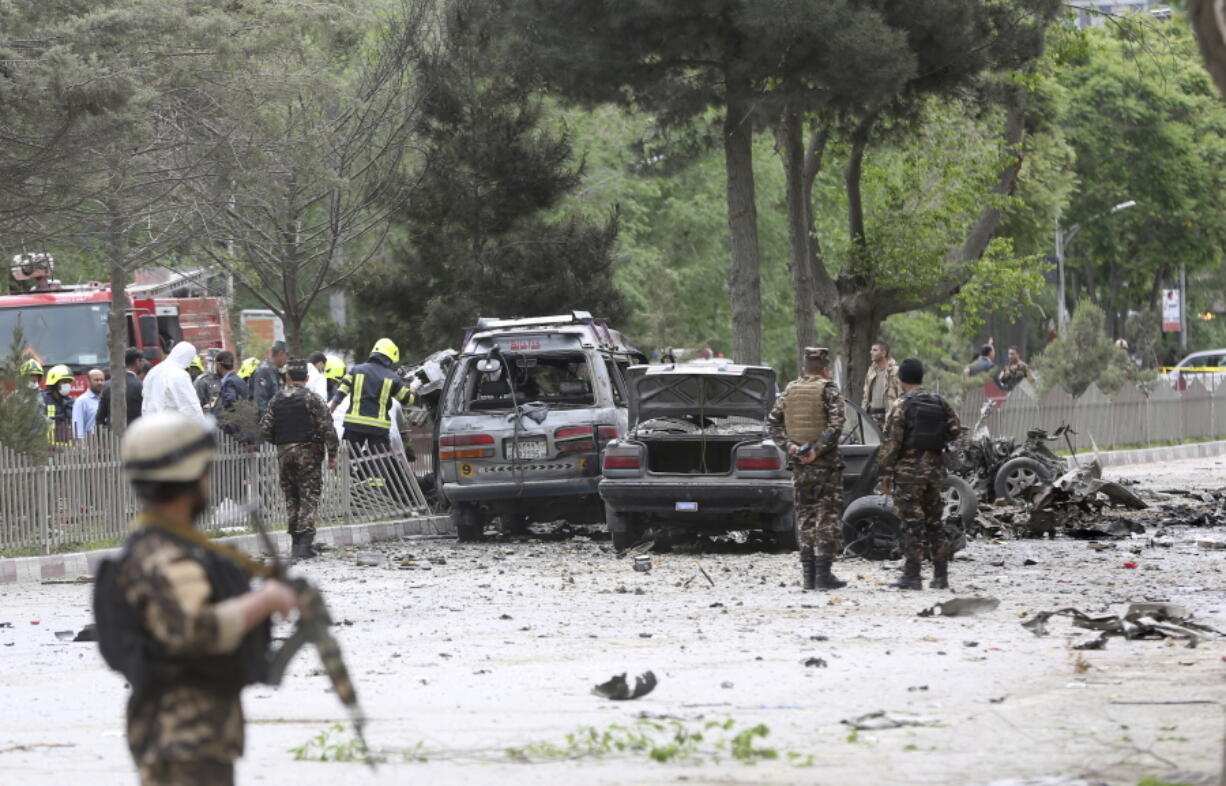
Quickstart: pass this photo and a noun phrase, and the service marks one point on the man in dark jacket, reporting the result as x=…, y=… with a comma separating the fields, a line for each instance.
x=266, y=380
x=132, y=360
x=371, y=387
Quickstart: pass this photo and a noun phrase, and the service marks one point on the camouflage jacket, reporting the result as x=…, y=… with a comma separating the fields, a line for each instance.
x=323, y=430
x=888, y=377
x=1011, y=376
x=827, y=445
x=171, y=593
x=911, y=465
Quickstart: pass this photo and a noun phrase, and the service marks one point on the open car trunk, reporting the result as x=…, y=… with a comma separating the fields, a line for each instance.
x=691, y=455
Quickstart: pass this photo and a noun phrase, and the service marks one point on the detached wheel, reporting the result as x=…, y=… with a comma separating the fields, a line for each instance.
x=625, y=529
x=787, y=532
x=1016, y=476
x=871, y=528
x=468, y=521
x=959, y=500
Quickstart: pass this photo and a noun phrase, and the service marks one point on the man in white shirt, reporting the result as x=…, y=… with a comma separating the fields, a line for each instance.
x=85, y=410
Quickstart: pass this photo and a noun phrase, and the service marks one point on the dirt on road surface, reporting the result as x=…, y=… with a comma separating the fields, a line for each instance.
x=475, y=663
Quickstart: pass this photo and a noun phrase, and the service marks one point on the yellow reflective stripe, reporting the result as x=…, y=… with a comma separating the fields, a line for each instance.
x=385, y=393
x=405, y=396
x=355, y=398
x=363, y=420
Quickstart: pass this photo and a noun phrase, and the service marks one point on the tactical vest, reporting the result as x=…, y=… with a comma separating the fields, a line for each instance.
x=927, y=427
x=291, y=422
x=127, y=647
x=804, y=417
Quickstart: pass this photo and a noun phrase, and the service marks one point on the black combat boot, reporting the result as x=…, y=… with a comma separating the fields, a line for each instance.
x=940, y=576
x=809, y=568
x=910, y=578
x=303, y=546
x=826, y=579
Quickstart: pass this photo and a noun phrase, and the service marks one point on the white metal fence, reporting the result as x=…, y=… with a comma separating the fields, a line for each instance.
x=1130, y=418
x=78, y=497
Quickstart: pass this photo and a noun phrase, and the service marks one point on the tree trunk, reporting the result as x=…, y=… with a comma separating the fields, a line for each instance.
x=859, y=325
x=117, y=327
x=792, y=147
x=744, y=270
x=293, y=332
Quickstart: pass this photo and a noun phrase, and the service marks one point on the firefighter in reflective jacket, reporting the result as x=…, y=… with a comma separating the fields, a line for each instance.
x=371, y=386
x=58, y=405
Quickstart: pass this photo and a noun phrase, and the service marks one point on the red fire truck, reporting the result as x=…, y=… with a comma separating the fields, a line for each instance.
x=68, y=324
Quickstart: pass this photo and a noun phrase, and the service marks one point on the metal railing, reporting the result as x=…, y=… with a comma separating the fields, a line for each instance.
x=78, y=497
x=1162, y=415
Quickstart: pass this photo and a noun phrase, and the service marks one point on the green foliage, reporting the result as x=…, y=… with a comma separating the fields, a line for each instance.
x=23, y=428
x=1086, y=355
x=335, y=743
x=663, y=740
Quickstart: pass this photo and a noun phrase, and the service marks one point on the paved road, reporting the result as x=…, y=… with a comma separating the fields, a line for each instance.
x=498, y=647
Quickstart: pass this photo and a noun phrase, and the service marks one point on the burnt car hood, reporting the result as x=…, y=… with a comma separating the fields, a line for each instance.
x=675, y=391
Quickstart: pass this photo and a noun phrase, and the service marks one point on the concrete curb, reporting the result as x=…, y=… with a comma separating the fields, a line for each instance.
x=1117, y=458
x=18, y=570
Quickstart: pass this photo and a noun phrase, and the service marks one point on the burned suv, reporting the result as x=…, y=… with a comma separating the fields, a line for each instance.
x=697, y=454
x=526, y=410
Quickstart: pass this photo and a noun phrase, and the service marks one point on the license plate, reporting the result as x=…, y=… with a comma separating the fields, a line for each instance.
x=529, y=448
x=687, y=507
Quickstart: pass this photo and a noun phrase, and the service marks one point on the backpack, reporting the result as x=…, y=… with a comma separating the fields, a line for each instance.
x=927, y=428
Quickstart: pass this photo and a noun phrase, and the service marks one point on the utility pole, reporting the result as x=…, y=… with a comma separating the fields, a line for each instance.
x=1183, y=307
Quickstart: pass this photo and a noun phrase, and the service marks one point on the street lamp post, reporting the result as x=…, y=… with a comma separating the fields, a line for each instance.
x=1063, y=239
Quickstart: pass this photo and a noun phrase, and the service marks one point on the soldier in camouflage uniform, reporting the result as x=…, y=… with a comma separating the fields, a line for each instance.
x=918, y=428
x=299, y=424
x=176, y=615
x=880, y=383
x=810, y=412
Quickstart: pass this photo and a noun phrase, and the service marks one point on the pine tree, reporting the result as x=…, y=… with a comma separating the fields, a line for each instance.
x=22, y=426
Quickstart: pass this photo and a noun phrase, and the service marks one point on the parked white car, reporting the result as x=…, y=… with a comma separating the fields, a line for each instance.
x=1208, y=367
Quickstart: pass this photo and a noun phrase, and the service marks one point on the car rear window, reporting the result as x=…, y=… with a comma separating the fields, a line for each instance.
x=562, y=379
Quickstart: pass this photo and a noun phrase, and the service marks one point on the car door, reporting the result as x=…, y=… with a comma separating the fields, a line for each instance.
x=859, y=445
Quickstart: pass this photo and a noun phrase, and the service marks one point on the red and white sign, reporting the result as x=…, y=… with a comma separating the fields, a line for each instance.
x=1170, y=311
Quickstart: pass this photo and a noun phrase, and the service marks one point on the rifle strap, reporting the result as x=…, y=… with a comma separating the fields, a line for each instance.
x=148, y=518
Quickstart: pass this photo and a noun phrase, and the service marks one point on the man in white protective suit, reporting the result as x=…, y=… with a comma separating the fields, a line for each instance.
x=168, y=386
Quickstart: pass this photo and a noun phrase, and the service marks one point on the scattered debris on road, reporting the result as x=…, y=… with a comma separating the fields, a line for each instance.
x=642, y=563
x=619, y=690
x=1140, y=621
x=875, y=721
x=960, y=607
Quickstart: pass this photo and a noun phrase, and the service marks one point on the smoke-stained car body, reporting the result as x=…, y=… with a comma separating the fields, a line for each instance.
x=527, y=408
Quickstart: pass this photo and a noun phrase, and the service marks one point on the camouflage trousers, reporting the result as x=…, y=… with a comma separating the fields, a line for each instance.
x=919, y=507
x=819, y=507
x=187, y=773
x=173, y=732
x=301, y=466
x=879, y=419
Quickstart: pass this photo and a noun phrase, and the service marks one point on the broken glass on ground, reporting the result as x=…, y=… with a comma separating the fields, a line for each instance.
x=1140, y=621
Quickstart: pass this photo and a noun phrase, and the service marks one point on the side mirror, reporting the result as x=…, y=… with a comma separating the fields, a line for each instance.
x=489, y=365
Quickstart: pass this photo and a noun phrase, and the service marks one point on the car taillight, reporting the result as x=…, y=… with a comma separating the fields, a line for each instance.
x=461, y=446
x=757, y=463
x=608, y=432
x=761, y=458
x=574, y=439
x=623, y=457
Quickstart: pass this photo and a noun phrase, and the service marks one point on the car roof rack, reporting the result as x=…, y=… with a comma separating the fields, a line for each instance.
x=497, y=323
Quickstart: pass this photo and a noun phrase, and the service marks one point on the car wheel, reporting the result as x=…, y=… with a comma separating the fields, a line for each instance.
x=469, y=522
x=871, y=528
x=1016, y=476
x=959, y=499
x=787, y=533
x=625, y=529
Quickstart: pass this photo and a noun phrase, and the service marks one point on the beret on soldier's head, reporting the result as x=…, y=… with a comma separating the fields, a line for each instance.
x=817, y=355
x=911, y=371
x=296, y=368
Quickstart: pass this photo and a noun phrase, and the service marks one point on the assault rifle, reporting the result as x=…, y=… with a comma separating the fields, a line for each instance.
x=312, y=628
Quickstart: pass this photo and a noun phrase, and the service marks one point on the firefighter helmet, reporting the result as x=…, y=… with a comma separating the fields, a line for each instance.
x=334, y=368
x=31, y=368
x=248, y=367
x=197, y=363
x=58, y=374
x=387, y=348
